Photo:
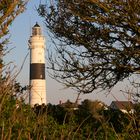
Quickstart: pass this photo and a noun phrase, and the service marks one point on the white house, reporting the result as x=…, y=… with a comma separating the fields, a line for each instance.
x=124, y=106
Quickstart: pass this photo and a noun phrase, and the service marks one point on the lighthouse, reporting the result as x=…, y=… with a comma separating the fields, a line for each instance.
x=37, y=67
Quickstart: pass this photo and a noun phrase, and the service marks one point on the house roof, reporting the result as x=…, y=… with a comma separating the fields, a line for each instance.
x=123, y=104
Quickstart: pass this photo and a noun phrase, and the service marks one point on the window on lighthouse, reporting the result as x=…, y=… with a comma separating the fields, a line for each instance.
x=36, y=31
x=41, y=76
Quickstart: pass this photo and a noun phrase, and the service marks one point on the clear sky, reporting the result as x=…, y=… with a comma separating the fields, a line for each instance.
x=20, y=33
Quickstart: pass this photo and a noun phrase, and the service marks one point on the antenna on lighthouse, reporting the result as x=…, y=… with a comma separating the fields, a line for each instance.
x=30, y=26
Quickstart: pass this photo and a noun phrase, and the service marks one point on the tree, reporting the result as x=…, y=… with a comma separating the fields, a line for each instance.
x=9, y=10
x=99, y=41
x=92, y=109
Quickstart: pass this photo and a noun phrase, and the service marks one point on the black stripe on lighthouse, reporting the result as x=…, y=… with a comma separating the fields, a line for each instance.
x=37, y=71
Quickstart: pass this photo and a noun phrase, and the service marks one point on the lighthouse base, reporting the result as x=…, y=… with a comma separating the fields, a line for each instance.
x=38, y=92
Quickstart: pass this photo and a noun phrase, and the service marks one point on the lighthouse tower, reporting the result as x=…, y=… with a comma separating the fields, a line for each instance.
x=37, y=67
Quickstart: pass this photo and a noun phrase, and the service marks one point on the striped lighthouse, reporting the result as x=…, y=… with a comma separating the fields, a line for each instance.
x=37, y=67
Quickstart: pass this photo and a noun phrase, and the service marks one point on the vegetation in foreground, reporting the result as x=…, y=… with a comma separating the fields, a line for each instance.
x=87, y=121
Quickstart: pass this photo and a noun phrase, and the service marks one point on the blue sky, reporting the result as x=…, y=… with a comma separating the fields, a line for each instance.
x=20, y=33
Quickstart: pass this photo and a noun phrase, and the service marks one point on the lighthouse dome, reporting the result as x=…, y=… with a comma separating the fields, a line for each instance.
x=36, y=25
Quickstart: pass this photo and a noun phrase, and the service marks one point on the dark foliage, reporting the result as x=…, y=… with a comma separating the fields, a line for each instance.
x=99, y=41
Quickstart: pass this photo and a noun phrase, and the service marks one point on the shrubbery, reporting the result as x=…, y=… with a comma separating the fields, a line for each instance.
x=20, y=121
